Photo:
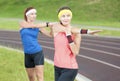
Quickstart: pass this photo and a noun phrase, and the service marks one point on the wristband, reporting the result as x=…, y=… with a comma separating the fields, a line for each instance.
x=69, y=38
x=47, y=24
x=84, y=31
x=88, y=32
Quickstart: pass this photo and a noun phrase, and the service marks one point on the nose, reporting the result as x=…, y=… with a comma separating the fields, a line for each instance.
x=66, y=18
x=35, y=15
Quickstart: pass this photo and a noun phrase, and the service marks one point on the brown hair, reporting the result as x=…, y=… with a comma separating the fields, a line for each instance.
x=26, y=10
x=64, y=8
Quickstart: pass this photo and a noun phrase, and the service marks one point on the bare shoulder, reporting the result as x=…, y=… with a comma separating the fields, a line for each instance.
x=55, y=25
x=75, y=30
x=21, y=23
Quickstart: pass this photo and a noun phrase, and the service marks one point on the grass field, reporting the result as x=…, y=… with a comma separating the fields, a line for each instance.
x=12, y=67
x=89, y=12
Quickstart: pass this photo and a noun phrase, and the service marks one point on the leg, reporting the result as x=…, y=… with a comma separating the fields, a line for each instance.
x=57, y=73
x=68, y=75
x=29, y=64
x=31, y=74
x=39, y=65
x=39, y=71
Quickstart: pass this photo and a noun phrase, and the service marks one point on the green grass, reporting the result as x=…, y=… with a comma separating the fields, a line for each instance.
x=12, y=67
x=99, y=11
x=9, y=25
x=99, y=23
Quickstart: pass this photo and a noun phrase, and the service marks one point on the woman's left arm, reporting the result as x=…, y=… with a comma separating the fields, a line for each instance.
x=84, y=31
x=74, y=44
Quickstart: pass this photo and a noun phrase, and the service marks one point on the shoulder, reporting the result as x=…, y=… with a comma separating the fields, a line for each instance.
x=75, y=30
x=55, y=25
x=21, y=23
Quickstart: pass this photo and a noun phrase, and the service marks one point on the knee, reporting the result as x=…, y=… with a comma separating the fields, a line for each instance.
x=31, y=77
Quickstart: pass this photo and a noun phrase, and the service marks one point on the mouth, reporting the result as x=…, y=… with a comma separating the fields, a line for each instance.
x=66, y=21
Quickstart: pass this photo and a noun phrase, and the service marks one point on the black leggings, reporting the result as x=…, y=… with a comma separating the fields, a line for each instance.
x=64, y=74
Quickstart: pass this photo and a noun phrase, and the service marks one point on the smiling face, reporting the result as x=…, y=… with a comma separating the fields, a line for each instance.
x=65, y=19
x=65, y=16
x=31, y=17
x=30, y=14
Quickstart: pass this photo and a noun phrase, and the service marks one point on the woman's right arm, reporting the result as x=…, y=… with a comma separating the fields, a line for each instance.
x=25, y=24
x=46, y=32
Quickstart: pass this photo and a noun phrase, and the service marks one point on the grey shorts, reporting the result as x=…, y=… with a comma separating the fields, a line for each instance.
x=31, y=60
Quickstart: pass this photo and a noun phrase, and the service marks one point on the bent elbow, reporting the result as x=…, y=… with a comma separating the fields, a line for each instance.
x=76, y=52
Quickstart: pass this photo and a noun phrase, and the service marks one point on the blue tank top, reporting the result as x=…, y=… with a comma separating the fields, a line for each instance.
x=29, y=38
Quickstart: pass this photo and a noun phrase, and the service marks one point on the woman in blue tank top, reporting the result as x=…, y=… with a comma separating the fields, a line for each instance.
x=34, y=57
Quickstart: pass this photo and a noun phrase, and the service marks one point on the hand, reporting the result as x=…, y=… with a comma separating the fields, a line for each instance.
x=68, y=30
x=51, y=24
x=94, y=32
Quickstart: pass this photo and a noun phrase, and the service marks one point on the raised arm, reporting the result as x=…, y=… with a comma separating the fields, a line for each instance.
x=84, y=31
x=74, y=44
x=46, y=32
x=25, y=24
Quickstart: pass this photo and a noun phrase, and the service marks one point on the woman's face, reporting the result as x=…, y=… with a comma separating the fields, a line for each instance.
x=65, y=18
x=31, y=16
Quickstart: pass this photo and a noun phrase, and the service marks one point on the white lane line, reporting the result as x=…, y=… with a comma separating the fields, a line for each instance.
x=46, y=38
x=80, y=77
x=111, y=65
x=99, y=41
x=108, y=53
x=11, y=41
x=47, y=47
x=46, y=42
x=99, y=45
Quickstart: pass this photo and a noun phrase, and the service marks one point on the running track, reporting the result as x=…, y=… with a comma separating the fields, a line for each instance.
x=99, y=58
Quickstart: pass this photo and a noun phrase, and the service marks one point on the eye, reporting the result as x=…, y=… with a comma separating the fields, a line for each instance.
x=63, y=15
x=33, y=13
x=68, y=15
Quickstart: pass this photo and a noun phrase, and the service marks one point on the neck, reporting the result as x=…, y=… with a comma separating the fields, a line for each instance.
x=30, y=21
x=64, y=25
